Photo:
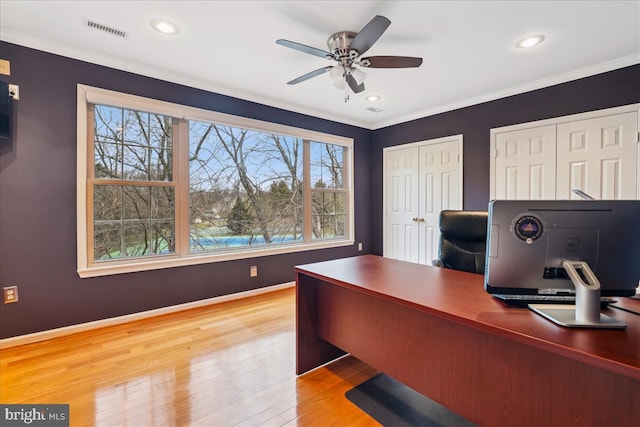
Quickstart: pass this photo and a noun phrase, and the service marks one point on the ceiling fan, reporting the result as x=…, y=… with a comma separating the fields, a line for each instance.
x=346, y=48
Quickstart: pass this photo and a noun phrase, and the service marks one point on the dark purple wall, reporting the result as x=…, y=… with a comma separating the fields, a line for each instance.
x=38, y=185
x=38, y=202
x=611, y=89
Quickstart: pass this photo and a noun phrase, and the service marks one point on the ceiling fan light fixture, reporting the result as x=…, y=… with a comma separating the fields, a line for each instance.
x=337, y=75
x=359, y=75
x=165, y=27
x=530, y=41
x=340, y=84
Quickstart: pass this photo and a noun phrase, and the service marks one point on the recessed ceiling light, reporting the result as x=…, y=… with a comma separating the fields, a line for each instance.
x=373, y=98
x=530, y=41
x=164, y=26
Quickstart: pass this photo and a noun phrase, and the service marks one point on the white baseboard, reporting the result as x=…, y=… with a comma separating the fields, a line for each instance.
x=67, y=330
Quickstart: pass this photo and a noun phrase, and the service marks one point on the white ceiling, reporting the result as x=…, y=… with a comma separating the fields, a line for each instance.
x=229, y=47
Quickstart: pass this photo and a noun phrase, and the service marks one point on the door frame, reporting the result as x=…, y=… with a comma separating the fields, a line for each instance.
x=457, y=138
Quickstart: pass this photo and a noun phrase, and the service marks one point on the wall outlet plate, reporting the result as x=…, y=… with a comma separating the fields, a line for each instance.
x=14, y=92
x=10, y=294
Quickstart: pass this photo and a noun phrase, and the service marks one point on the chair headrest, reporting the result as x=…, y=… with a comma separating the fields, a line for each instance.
x=467, y=225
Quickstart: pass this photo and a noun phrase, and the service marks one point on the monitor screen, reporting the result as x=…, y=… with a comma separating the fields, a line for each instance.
x=527, y=241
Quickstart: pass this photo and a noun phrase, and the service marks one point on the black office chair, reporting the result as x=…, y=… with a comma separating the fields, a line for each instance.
x=463, y=240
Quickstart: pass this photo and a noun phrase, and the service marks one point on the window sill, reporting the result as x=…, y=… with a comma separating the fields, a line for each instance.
x=155, y=263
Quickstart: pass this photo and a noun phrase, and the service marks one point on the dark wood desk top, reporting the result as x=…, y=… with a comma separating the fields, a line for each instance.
x=460, y=297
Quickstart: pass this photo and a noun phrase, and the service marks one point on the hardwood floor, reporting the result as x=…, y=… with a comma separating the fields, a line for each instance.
x=224, y=365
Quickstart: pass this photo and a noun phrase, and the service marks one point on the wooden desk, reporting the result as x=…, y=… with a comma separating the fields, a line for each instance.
x=439, y=332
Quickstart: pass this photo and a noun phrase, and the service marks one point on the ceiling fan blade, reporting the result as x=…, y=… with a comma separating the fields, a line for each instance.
x=391, y=62
x=304, y=48
x=353, y=84
x=369, y=34
x=310, y=75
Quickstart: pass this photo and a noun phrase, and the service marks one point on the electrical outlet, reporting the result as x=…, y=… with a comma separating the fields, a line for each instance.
x=10, y=294
x=253, y=271
x=360, y=247
x=14, y=92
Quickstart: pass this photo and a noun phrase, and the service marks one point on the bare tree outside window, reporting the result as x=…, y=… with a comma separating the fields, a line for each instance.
x=133, y=211
x=329, y=197
x=245, y=187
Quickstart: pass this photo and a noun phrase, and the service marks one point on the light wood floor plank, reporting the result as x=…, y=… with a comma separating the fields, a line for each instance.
x=230, y=364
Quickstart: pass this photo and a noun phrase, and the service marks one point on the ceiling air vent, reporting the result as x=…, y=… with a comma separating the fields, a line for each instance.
x=105, y=28
x=374, y=109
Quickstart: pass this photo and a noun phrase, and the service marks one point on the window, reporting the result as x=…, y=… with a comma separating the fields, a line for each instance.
x=329, y=198
x=162, y=185
x=131, y=184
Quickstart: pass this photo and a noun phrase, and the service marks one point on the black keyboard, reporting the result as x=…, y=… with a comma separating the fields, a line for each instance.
x=523, y=300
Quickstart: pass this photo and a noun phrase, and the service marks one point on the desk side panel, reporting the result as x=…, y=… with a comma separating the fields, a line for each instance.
x=311, y=350
x=486, y=378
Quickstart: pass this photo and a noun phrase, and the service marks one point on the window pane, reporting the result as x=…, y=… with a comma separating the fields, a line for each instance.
x=329, y=215
x=132, y=145
x=134, y=160
x=327, y=165
x=107, y=240
x=132, y=221
x=245, y=187
x=136, y=239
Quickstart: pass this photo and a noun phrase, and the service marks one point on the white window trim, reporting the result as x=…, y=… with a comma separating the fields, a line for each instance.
x=88, y=94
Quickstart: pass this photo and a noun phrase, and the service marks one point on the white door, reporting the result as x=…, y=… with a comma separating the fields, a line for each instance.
x=596, y=152
x=401, y=204
x=525, y=164
x=420, y=180
x=440, y=189
x=599, y=157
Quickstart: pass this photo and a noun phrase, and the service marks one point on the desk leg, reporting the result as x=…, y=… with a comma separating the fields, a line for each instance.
x=311, y=350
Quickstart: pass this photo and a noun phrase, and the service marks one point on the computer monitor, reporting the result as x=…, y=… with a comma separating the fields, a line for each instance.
x=529, y=240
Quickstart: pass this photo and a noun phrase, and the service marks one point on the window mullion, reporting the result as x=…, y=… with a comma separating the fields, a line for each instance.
x=306, y=191
x=90, y=159
x=347, y=189
x=181, y=176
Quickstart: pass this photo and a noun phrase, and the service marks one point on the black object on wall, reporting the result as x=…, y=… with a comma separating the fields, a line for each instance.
x=6, y=109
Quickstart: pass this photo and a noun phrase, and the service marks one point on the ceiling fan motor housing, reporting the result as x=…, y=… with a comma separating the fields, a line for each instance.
x=339, y=44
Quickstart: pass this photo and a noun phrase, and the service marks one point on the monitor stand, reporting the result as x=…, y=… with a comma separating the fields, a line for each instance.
x=586, y=312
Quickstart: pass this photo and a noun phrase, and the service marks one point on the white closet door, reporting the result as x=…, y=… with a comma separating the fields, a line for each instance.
x=401, y=199
x=525, y=164
x=599, y=156
x=420, y=180
x=439, y=190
